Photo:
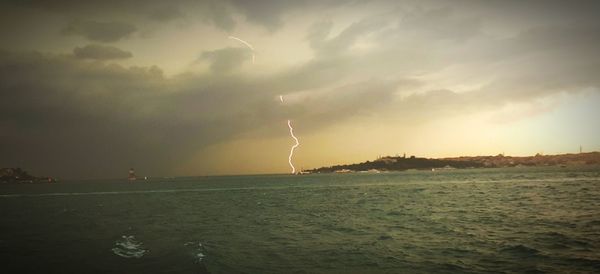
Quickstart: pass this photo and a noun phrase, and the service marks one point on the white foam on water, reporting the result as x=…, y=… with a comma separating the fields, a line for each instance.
x=128, y=247
x=200, y=256
x=198, y=250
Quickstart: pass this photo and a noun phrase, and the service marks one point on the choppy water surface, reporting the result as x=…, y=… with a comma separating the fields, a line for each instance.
x=461, y=221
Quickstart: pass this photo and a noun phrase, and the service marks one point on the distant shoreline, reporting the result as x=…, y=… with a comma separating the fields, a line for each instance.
x=402, y=163
x=382, y=164
x=19, y=176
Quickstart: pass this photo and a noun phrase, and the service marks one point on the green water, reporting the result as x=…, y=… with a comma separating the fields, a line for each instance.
x=461, y=221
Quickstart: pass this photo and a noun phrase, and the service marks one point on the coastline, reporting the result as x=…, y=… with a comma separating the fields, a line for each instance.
x=403, y=163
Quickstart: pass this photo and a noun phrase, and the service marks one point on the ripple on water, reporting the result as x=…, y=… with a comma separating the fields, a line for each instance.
x=519, y=251
x=557, y=240
x=128, y=247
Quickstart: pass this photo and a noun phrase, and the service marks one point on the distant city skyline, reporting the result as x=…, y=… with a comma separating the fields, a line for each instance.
x=89, y=89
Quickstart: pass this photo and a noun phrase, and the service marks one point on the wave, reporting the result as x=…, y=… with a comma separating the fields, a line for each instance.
x=128, y=247
x=560, y=241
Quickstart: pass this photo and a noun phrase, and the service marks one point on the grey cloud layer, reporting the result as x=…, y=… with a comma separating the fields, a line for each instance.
x=99, y=31
x=220, y=13
x=100, y=52
x=227, y=59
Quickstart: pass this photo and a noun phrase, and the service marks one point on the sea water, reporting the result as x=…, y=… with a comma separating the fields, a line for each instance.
x=532, y=220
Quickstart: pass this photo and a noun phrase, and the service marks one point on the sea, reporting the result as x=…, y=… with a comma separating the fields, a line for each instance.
x=496, y=220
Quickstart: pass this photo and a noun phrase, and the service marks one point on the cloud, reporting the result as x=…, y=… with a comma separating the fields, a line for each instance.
x=93, y=116
x=270, y=13
x=440, y=24
x=99, y=52
x=165, y=14
x=100, y=31
x=264, y=12
x=220, y=15
x=226, y=59
x=319, y=32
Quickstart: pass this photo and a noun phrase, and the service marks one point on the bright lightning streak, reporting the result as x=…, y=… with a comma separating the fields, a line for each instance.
x=293, y=147
x=297, y=144
x=245, y=43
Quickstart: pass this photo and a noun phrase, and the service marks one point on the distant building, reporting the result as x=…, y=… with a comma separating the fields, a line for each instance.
x=387, y=159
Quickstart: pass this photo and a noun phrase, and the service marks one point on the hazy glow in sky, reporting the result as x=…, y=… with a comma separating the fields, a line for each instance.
x=91, y=88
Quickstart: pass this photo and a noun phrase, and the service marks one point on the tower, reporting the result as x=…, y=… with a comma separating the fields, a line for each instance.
x=131, y=176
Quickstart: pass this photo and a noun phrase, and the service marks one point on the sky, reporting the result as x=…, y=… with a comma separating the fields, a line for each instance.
x=89, y=89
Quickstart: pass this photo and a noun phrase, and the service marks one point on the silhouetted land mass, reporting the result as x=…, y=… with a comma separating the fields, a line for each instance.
x=17, y=175
x=389, y=163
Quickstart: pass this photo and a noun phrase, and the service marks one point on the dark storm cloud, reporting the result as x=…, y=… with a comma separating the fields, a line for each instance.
x=94, y=116
x=220, y=13
x=214, y=12
x=99, y=31
x=100, y=52
x=102, y=117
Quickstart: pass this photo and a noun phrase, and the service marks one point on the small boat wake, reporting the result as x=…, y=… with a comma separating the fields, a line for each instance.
x=128, y=247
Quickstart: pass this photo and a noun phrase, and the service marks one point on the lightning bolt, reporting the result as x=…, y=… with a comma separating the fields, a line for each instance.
x=245, y=43
x=293, y=147
x=297, y=144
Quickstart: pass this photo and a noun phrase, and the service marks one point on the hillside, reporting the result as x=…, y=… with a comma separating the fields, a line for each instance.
x=389, y=163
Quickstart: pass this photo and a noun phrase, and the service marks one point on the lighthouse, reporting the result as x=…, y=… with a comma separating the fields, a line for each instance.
x=131, y=176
